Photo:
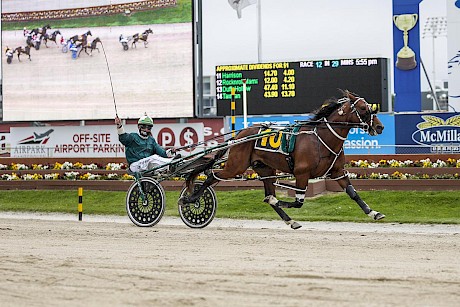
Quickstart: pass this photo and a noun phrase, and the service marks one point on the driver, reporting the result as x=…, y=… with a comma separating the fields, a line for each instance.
x=8, y=52
x=141, y=149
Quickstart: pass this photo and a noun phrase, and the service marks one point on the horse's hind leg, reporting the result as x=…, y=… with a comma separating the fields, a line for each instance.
x=234, y=166
x=270, y=193
x=350, y=190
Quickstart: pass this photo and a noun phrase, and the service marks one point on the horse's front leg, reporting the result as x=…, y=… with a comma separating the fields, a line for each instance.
x=145, y=44
x=300, y=189
x=345, y=183
x=270, y=194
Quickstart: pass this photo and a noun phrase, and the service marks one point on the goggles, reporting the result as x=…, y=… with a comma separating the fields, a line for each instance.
x=145, y=127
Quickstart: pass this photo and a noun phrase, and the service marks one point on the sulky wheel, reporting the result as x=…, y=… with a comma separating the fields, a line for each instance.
x=145, y=208
x=200, y=213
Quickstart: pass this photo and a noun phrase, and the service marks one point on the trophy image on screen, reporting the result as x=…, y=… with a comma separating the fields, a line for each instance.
x=406, y=56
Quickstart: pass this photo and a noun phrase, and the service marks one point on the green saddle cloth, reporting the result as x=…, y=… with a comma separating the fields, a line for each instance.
x=288, y=139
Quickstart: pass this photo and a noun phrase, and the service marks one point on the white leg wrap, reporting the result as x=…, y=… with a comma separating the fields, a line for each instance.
x=272, y=200
x=300, y=196
x=372, y=214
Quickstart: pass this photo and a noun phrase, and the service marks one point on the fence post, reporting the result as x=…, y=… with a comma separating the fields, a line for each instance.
x=80, y=204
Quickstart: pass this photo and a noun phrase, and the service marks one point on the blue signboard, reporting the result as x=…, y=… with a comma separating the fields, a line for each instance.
x=428, y=133
x=358, y=141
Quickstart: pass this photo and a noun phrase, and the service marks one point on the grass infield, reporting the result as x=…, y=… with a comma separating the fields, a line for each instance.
x=399, y=207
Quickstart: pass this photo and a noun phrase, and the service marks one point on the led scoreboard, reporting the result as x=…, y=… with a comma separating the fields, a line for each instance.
x=300, y=87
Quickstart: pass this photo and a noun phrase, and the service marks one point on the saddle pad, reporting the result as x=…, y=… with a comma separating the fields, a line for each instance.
x=288, y=139
x=270, y=143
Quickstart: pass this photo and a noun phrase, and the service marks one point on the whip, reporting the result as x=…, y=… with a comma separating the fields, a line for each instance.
x=110, y=77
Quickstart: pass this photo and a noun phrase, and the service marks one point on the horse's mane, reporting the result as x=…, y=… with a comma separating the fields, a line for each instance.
x=329, y=106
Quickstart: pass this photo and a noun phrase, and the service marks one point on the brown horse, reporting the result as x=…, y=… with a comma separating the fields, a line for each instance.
x=91, y=46
x=52, y=37
x=318, y=152
x=25, y=50
x=141, y=36
x=41, y=31
x=81, y=39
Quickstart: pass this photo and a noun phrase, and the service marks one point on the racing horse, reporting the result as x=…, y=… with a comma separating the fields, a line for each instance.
x=317, y=152
x=41, y=31
x=141, y=36
x=21, y=50
x=91, y=46
x=51, y=37
x=80, y=39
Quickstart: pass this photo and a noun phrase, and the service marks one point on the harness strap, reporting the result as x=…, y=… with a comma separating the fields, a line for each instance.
x=290, y=163
x=336, y=154
x=333, y=131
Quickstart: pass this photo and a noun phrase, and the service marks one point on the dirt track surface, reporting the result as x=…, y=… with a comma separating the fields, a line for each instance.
x=55, y=261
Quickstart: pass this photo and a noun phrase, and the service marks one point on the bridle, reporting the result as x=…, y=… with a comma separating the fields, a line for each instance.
x=368, y=115
x=366, y=120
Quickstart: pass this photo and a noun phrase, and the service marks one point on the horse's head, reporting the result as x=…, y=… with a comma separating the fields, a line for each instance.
x=47, y=27
x=148, y=31
x=57, y=32
x=359, y=111
x=89, y=33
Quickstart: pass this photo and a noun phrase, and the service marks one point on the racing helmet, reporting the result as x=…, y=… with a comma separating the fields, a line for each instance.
x=142, y=122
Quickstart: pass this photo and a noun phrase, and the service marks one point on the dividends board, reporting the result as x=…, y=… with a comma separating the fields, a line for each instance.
x=300, y=87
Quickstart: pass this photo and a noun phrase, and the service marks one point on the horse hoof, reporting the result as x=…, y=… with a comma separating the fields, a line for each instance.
x=294, y=224
x=375, y=215
x=183, y=201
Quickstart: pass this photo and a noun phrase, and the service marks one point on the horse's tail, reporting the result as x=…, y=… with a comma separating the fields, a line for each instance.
x=206, y=165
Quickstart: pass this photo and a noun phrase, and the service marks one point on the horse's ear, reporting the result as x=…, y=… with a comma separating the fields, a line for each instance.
x=350, y=95
x=343, y=92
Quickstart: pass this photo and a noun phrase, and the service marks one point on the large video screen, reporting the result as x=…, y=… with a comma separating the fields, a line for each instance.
x=300, y=87
x=152, y=72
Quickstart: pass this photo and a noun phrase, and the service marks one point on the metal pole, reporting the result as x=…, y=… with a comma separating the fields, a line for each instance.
x=199, y=42
x=259, y=32
x=435, y=98
x=232, y=109
x=434, y=72
x=245, y=106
